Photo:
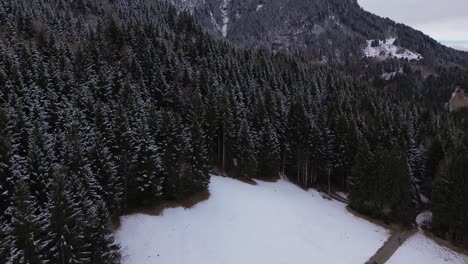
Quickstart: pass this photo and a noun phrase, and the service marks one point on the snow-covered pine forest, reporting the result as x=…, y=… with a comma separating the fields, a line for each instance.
x=111, y=105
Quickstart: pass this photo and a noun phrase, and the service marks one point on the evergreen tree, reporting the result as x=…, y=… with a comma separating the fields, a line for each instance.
x=6, y=189
x=450, y=209
x=245, y=157
x=122, y=150
x=105, y=169
x=26, y=244
x=104, y=248
x=269, y=152
x=146, y=184
x=65, y=234
x=40, y=166
x=396, y=188
x=198, y=160
x=363, y=171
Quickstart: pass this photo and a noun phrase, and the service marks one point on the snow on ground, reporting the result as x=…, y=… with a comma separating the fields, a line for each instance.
x=387, y=49
x=421, y=249
x=272, y=223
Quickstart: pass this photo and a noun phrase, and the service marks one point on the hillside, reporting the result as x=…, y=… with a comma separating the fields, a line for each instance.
x=328, y=31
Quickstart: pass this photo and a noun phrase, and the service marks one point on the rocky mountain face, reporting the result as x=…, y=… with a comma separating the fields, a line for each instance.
x=327, y=31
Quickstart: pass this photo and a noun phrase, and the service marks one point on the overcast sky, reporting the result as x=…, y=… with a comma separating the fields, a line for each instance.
x=444, y=20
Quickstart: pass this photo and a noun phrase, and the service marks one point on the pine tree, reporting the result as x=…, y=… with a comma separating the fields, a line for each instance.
x=198, y=160
x=65, y=232
x=18, y=128
x=395, y=190
x=104, y=249
x=361, y=180
x=298, y=124
x=174, y=139
x=145, y=186
x=103, y=166
x=245, y=159
x=39, y=166
x=26, y=244
x=5, y=239
x=269, y=152
x=449, y=206
x=6, y=189
x=122, y=150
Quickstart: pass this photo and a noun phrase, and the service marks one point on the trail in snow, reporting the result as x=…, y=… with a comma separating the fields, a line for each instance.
x=390, y=247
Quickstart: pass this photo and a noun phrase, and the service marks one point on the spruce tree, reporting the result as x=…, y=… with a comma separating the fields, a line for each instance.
x=198, y=161
x=104, y=248
x=103, y=166
x=360, y=182
x=39, y=166
x=66, y=237
x=145, y=186
x=6, y=188
x=269, y=151
x=26, y=241
x=245, y=159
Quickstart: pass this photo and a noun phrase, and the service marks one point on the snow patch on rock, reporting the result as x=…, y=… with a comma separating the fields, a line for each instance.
x=387, y=49
x=387, y=76
x=225, y=16
x=213, y=21
x=424, y=219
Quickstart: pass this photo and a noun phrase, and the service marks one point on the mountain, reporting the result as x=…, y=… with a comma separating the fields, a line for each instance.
x=333, y=31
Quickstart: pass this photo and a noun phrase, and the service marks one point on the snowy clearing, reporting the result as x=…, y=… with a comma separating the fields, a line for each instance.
x=421, y=249
x=270, y=223
x=387, y=49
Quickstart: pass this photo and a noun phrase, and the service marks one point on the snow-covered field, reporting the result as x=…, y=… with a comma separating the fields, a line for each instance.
x=421, y=249
x=387, y=49
x=270, y=223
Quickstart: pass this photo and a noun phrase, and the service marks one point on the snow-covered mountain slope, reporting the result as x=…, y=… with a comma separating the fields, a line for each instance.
x=270, y=223
x=421, y=249
x=387, y=49
x=324, y=30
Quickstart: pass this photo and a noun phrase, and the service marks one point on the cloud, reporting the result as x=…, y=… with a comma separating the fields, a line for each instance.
x=455, y=28
x=439, y=19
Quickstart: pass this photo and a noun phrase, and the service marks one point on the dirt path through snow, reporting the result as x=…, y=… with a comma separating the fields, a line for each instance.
x=390, y=247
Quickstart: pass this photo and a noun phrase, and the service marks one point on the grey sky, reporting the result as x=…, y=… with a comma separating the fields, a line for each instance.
x=441, y=19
